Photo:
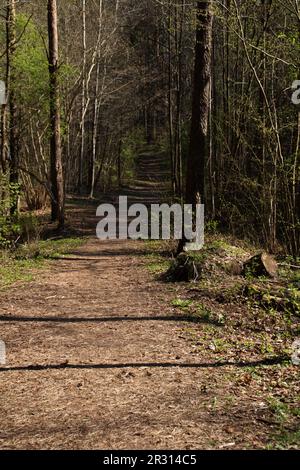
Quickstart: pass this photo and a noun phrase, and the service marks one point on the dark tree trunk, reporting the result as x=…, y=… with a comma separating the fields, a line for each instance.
x=9, y=153
x=198, y=153
x=199, y=136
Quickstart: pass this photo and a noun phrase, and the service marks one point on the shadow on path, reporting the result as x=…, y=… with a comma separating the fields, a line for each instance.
x=173, y=318
x=165, y=365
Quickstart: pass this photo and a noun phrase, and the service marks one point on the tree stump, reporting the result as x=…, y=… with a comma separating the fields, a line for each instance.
x=184, y=269
x=260, y=265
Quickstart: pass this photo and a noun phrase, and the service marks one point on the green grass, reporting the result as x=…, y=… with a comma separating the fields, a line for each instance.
x=288, y=440
x=47, y=249
x=12, y=271
x=286, y=416
x=158, y=267
x=198, y=311
x=156, y=263
x=20, y=265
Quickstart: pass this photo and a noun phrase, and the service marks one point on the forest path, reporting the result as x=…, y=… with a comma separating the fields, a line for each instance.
x=96, y=358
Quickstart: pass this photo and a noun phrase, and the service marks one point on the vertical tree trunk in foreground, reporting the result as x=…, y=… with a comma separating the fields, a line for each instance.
x=199, y=136
x=198, y=153
x=57, y=183
x=9, y=154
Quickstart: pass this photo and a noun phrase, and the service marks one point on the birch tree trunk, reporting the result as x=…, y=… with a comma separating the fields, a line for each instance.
x=96, y=103
x=83, y=98
x=13, y=156
x=57, y=181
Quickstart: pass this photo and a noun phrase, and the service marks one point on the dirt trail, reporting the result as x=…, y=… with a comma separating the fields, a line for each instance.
x=95, y=361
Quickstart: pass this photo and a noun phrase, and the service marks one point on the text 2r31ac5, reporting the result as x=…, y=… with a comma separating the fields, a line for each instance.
x=178, y=459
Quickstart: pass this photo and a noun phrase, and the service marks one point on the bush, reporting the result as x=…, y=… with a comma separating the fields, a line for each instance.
x=14, y=227
x=36, y=198
x=9, y=224
x=132, y=144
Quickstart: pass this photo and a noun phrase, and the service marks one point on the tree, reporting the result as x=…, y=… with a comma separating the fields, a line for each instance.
x=83, y=98
x=13, y=137
x=199, y=135
x=57, y=181
x=9, y=152
x=128, y=73
x=198, y=152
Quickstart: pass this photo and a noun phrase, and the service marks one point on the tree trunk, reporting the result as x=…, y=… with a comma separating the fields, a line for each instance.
x=198, y=153
x=199, y=136
x=83, y=98
x=11, y=32
x=9, y=154
x=57, y=181
x=96, y=104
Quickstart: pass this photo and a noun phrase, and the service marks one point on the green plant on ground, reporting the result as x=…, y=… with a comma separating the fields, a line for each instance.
x=182, y=304
x=211, y=226
x=10, y=228
x=203, y=312
x=282, y=411
x=286, y=416
x=286, y=440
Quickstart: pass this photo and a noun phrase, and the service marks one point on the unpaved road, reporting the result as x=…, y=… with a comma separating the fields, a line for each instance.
x=96, y=362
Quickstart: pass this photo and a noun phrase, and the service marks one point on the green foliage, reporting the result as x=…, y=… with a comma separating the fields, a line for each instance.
x=131, y=146
x=31, y=66
x=281, y=298
x=204, y=312
x=14, y=227
x=9, y=224
x=212, y=226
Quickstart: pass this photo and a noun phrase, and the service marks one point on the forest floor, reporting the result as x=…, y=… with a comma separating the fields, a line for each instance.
x=102, y=354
